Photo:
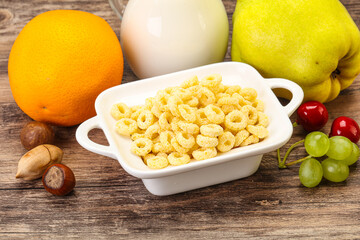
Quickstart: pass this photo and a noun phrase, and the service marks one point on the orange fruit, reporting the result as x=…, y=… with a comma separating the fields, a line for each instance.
x=60, y=62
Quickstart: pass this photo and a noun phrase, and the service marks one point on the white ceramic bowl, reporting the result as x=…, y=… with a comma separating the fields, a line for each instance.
x=235, y=164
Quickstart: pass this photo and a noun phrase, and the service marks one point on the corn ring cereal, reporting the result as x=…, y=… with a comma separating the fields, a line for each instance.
x=165, y=120
x=187, y=113
x=173, y=104
x=259, y=105
x=201, y=118
x=259, y=131
x=175, y=124
x=204, y=153
x=157, y=162
x=191, y=128
x=186, y=140
x=192, y=101
x=206, y=96
x=263, y=119
x=233, y=89
x=250, y=140
x=126, y=126
x=227, y=101
x=252, y=114
x=249, y=94
x=135, y=136
x=236, y=120
x=145, y=119
x=152, y=132
x=226, y=142
x=211, y=130
x=177, y=159
x=242, y=100
x=147, y=156
x=120, y=110
x=178, y=147
x=240, y=137
x=141, y=146
x=211, y=81
x=214, y=114
x=149, y=103
x=228, y=108
x=193, y=81
x=165, y=139
x=155, y=109
x=207, y=142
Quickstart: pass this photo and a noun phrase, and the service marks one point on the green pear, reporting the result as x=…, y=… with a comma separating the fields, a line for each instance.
x=314, y=43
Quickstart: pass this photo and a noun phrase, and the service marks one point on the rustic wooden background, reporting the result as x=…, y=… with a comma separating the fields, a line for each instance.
x=107, y=203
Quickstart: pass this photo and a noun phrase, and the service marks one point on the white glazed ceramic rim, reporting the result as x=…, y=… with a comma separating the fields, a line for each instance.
x=135, y=93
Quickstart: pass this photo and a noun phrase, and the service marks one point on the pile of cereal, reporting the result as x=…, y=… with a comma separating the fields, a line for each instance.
x=195, y=120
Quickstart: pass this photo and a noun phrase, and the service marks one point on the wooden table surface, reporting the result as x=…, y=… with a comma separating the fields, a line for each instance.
x=108, y=203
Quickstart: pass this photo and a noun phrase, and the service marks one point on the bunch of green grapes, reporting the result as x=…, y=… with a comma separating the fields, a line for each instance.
x=340, y=152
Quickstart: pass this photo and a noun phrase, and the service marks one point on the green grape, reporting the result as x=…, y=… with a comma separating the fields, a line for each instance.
x=354, y=156
x=316, y=144
x=310, y=172
x=334, y=170
x=340, y=148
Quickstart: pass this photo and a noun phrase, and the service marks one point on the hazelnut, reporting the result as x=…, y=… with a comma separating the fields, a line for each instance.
x=58, y=179
x=36, y=133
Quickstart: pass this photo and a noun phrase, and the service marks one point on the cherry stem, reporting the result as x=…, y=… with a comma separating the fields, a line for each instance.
x=297, y=161
x=282, y=164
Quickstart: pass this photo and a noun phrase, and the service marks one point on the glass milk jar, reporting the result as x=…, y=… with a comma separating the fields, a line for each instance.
x=164, y=36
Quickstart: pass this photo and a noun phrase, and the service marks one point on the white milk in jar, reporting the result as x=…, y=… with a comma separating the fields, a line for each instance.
x=163, y=36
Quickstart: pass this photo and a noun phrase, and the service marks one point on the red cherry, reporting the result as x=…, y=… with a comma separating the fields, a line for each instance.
x=346, y=127
x=312, y=115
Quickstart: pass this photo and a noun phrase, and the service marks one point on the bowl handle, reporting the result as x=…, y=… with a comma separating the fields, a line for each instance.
x=295, y=89
x=83, y=138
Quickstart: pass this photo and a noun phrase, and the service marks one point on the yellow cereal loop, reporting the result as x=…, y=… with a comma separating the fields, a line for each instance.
x=152, y=132
x=178, y=147
x=214, y=114
x=162, y=99
x=187, y=113
x=192, y=101
x=177, y=159
x=135, y=136
x=173, y=104
x=226, y=142
x=250, y=140
x=259, y=131
x=157, y=147
x=211, y=81
x=240, y=137
x=236, y=120
x=263, y=119
x=227, y=101
x=207, y=142
x=126, y=126
x=186, y=140
x=233, y=89
x=211, y=130
x=228, y=108
x=220, y=88
x=249, y=94
x=145, y=119
x=251, y=113
x=165, y=139
x=149, y=102
x=162, y=154
x=242, y=100
x=165, y=120
x=191, y=128
x=155, y=109
x=141, y=146
x=193, y=81
x=204, y=153
x=135, y=108
x=147, y=156
x=201, y=118
x=135, y=114
x=174, y=124
x=157, y=162
x=259, y=105
x=184, y=94
x=120, y=110
x=206, y=96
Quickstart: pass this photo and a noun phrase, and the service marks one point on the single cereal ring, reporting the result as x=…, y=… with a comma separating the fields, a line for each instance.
x=153, y=131
x=242, y=100
x=126, y=126
x=259, y=131
x=135, y=136
x=162, y=154
x=251, y=112
x=211, y=130
x=214, y=114
x=220, y=95
x=187, y=113
x=141, y=146
x=186, y=140
x=157, y=147
x=120, y=110
x=226, y=142
x=174, y=124
x=259, y=105
x=228, y=108
x=149, y=102
x=240, y=137
x=178, y=147
x=233, y=89
x=211, y=81
x=206, y=96
x=165, y=139
x=236, y=120
x=145, y=119
x=135, y=114
x=165, y=120
x=155, y=109
x=157, y=162
x=207, y=142
x=177, y=159
x=173, y=104
x=192, y=101
x=135, y=108
x=263, y=119
x=191, y=128
x=193, y=81
x=201, y=118
x=227, y=101
x=147, y=157
x=250, y=140
x=249, y=94
x=162, y=99
x=204, y=153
